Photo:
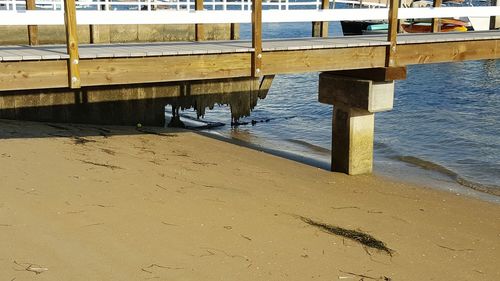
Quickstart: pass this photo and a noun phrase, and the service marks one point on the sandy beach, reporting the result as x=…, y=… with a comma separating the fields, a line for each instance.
x=81, y=202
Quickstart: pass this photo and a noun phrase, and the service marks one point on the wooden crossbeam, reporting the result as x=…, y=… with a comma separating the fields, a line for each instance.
x=282, y=62
x=447, y=52
x=28, y=75
x=378, y=74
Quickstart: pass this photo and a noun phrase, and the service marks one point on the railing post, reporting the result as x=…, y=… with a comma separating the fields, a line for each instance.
x=392, y=33
x=32, y=29
x=256, y=37
x=436, y=27
x=320, y=28
x=495, y=20
x=72, y=44
x=199, y=32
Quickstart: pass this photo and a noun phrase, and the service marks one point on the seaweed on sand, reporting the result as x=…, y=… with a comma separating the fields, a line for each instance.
x=358, y=236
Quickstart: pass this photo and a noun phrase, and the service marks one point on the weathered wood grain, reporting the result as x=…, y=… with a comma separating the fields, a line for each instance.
x=322, y=60
x=72, y=44
x=257, y=37
x=447, y=52
x=392, y=32
x=162, y=69
x=33, y=75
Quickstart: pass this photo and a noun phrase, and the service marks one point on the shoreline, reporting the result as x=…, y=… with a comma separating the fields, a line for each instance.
x=388, y=167
x=107, y=202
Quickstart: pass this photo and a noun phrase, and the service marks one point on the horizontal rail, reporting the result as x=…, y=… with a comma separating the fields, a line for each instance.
x=149, y=5
x=208, y=17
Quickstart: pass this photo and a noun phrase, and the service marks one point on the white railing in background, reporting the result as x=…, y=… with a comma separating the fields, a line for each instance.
x=269, y=16
x=189, y=5
x=12, y=12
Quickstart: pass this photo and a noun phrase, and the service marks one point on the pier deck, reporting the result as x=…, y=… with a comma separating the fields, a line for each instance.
x=32, y=67
x=90, y=51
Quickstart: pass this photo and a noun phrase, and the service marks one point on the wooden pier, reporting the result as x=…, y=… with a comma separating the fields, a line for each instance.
x=372, y=62
x=35, y=67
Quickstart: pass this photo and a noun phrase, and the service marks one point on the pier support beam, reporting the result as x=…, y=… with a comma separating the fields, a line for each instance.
x=356, y=96
x=127, y=104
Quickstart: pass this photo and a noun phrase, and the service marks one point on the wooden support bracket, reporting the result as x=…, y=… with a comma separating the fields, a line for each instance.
x=72, y=44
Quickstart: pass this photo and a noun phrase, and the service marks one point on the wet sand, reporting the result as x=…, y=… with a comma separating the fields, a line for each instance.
x=114, y=203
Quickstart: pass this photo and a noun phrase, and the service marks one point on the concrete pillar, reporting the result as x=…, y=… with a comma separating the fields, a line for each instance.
x=352, y=140
x=355, y=101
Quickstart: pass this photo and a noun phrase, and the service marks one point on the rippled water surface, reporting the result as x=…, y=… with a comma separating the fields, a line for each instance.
x=446, y=118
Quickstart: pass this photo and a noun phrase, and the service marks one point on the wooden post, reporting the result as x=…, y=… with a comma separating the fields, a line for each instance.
x=199, y=32
x=436, y=26
x=257, y=37
x=320, y=28
x=72, y=44
x=392, y=33
x=32, y=29
x=232, y=32
x=495, y=20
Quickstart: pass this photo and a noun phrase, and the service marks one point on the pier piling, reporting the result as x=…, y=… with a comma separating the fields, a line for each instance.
x=355, y=101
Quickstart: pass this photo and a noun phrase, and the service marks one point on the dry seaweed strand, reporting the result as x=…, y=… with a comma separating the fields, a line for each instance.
x=31, y=267
x=358, y=236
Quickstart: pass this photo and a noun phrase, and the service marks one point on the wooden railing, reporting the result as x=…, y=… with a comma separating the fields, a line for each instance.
x=190, y=5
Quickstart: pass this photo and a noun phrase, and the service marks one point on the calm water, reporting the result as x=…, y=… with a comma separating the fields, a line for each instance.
x=444, y=128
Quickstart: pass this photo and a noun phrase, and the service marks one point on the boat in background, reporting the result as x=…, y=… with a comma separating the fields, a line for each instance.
x=415, y=25
x=425, y=26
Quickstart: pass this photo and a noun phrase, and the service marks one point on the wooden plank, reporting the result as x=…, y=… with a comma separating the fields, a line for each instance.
x=199, y=30
x=320, y=28
x=27, y=75
x=162, y=69
x=436, y=26
x=392, y=32
x=447, y=52
x=379, y=74
x=72, y=44
x=32, y=29
x=257, y=37
x=280, y=62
